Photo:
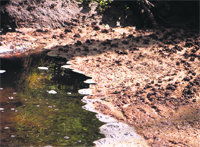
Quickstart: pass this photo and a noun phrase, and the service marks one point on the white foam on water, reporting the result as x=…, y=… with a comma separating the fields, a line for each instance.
x=85, y=91
x=52, y=92
x=43, y=68
x=66, y=66
x=105, y=118
x=4, y=50
x=89, y=81
x=20, y=48
x=1, y=109
x=77, y=71
x=69, y=62
x=117, y=134
x=2, y=71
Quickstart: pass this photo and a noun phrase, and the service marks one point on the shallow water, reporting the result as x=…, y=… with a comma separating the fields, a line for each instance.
x=40, y=104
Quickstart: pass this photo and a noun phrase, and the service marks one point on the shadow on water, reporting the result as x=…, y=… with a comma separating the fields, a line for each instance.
x=32, y=115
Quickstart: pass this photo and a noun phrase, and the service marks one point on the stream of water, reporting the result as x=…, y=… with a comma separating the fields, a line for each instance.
x=40, y=104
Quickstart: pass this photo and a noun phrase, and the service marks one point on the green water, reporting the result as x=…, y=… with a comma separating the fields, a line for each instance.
x=30, y=116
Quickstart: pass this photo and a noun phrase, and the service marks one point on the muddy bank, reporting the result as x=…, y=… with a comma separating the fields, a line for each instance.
x=149, y=80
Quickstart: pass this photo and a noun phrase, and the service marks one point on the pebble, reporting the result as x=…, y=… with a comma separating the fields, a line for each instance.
x=1, y=109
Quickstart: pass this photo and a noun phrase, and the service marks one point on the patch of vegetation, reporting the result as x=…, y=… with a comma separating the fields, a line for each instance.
x=102, y=4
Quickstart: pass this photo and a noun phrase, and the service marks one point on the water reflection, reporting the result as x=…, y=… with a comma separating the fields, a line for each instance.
x=42, y=107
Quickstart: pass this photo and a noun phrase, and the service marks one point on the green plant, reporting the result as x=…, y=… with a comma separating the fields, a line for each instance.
x=103, y=4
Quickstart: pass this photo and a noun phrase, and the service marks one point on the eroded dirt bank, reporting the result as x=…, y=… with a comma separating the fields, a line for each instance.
x=148, y=79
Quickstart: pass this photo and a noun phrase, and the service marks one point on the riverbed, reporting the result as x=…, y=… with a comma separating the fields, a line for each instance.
x=40, y=104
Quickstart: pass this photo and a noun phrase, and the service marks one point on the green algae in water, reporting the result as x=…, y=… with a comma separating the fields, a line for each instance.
x=42, y=118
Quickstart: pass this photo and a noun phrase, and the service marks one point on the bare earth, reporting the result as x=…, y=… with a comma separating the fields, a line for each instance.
x=148, y=79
